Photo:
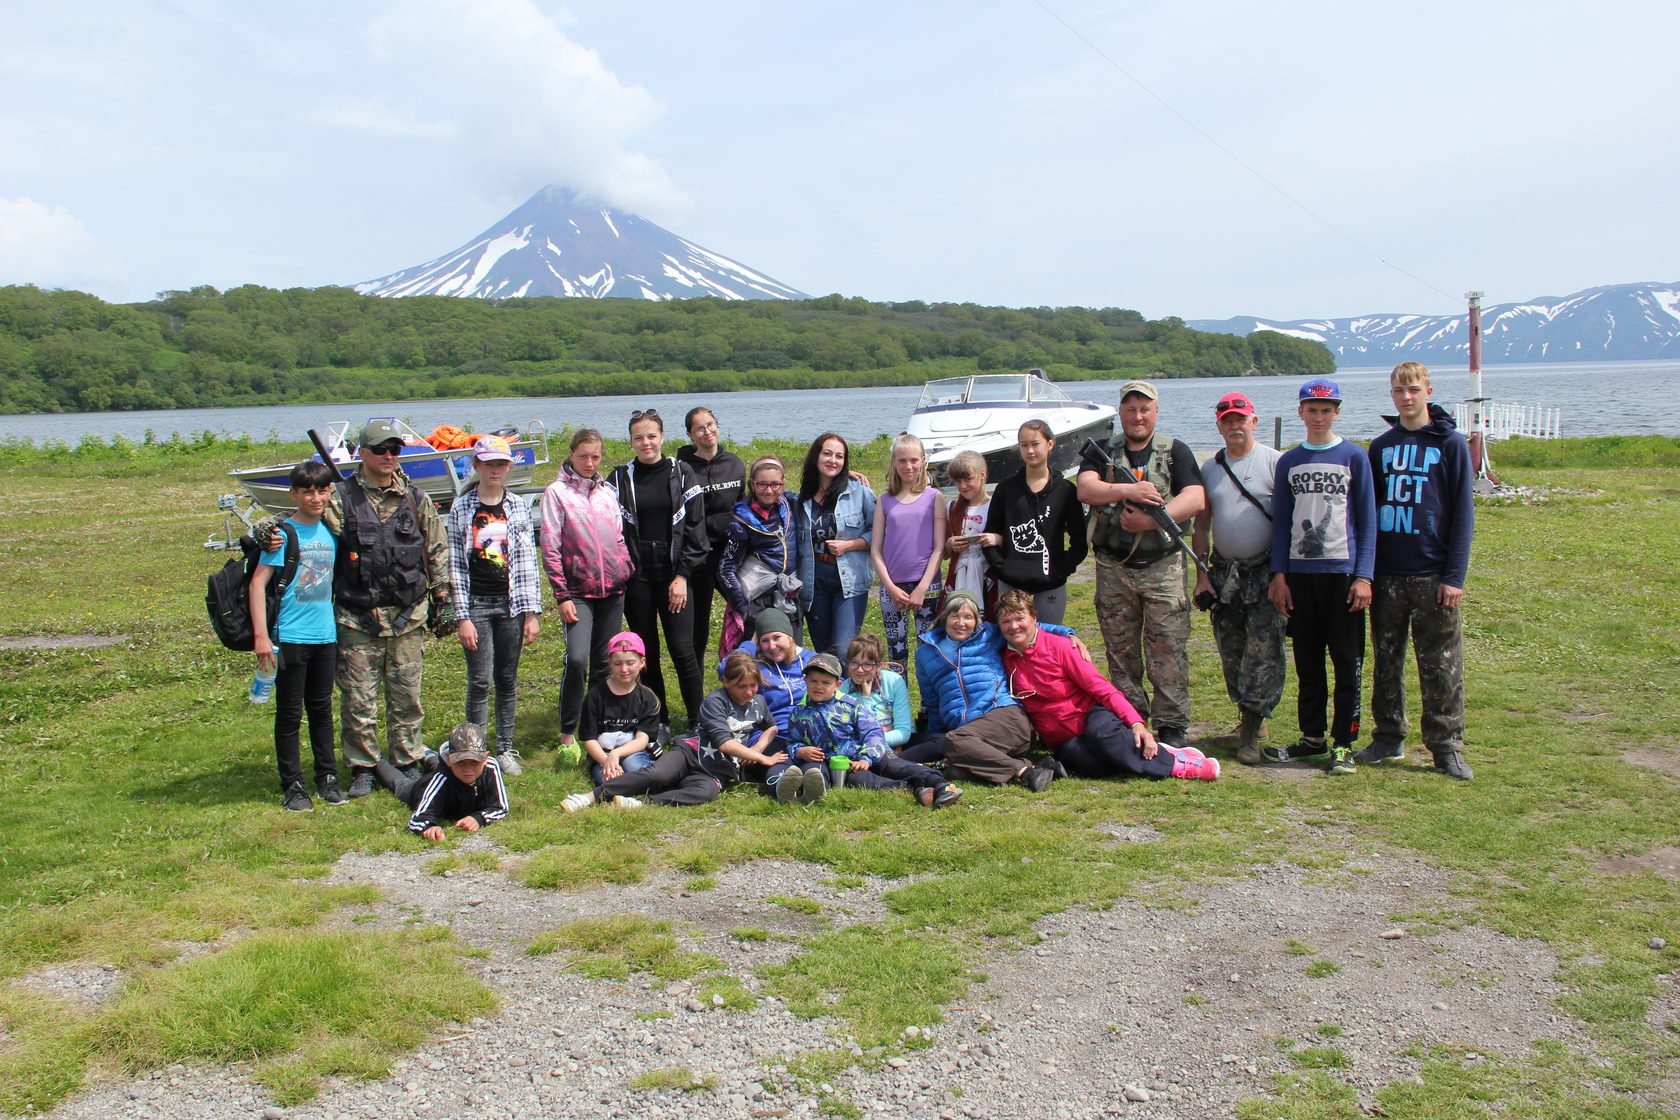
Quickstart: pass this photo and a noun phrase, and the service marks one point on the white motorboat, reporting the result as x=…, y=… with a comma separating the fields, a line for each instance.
x=983, y=413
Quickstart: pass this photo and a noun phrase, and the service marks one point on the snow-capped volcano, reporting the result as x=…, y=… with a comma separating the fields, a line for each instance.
x=559, y=244
x=1618, y=322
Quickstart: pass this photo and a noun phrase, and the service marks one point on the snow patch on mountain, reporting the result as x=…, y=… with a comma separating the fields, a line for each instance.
x=559, y=244
x=1621, y=322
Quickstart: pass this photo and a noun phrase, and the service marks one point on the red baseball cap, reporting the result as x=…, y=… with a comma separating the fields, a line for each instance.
x=1233, y=402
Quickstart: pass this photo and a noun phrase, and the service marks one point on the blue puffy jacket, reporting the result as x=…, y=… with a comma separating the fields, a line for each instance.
x=782, y=686
x=962, y=681
x=780, y=543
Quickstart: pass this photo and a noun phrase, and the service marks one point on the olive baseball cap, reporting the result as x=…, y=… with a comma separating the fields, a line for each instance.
x=824, y=663
x=1142, y=388
x=378, y=432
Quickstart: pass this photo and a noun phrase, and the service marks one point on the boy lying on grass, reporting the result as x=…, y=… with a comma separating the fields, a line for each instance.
x=826, y=726
x=465, y=790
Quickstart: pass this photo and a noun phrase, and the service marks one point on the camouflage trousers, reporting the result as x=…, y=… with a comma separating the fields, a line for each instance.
x=1144, y=615
x=1399, y=604
x=1250, y=634
x=365, y=664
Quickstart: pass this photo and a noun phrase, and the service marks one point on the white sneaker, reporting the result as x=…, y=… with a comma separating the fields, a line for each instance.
x=623, y=802
x=578, y=801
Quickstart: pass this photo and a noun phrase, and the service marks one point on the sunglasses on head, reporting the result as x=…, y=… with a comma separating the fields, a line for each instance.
x=1230, y=406
x=644, y=414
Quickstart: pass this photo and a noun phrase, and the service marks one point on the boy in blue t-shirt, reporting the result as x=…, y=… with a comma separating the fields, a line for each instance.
x=304, y=639
x=1324, y=533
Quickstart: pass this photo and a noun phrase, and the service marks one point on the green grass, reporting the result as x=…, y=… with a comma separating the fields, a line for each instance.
x=302, y=1006
x=154, y=820
x=612, y=947
x=678, y=1078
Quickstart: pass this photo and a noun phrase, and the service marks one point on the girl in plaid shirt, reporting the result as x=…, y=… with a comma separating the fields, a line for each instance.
x=493, y=567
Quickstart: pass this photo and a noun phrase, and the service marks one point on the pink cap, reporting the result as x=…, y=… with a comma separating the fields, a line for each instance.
x=1233, y=402
x=627, y=641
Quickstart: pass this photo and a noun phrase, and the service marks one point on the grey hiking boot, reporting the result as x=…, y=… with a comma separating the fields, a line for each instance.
x=1173, y=737
x=1341, y=760
x=508, y=762
x=1382, y=752
x=361, y=782
x=327, y=787
x=1301, y=749
x=1251, y=732
x=1452, y=764
x=297, y=801
x=788, y=784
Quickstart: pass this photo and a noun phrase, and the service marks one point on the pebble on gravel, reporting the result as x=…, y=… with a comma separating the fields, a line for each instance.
x=1392, y=934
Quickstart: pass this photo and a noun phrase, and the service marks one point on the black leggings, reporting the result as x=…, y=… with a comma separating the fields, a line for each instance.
x=675, y=778
x=1107, y=749
x=1321, y=623
x=645, y=609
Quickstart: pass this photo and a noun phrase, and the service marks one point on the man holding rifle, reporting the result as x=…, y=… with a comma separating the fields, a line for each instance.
x=1143, y=605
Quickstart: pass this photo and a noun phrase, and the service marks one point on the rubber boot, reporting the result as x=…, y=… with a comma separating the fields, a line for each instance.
x=1249, y=736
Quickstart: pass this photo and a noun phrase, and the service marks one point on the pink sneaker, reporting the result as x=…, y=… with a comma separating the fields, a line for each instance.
x=1204, y=768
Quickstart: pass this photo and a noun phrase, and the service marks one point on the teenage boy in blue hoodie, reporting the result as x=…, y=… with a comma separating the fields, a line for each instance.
x=1324, y=514
x=1425, y=516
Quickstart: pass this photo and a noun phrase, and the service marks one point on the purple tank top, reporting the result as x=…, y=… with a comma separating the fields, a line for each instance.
x=909, y=535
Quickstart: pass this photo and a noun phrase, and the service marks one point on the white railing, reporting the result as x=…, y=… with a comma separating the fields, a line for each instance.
x=1507, y=420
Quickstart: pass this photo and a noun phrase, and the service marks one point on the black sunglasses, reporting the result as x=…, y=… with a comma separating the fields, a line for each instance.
x=386, y=449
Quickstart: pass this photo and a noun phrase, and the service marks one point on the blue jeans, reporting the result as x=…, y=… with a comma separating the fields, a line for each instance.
x=834, y=620
x=495, y=663
x=586, y=652
x=641, y=760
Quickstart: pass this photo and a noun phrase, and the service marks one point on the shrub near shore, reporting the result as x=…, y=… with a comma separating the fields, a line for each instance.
x=142, y=814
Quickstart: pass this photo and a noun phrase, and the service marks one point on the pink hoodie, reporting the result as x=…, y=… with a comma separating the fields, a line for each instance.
x=1057, y=687
x=583, y=546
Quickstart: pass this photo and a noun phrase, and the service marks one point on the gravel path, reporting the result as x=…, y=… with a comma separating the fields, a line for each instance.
x=1147, y=1012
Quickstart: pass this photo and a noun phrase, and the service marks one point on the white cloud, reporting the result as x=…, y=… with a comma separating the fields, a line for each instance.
x=527, y=104
x=373, y=115
x=48, y=246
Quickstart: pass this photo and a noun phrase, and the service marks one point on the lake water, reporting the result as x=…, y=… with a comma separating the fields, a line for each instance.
x=1597, y=398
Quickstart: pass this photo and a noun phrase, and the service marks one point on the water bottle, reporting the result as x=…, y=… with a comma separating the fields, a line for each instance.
x=262, y=685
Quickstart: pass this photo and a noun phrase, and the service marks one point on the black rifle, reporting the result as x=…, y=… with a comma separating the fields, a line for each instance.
x=1163, y=520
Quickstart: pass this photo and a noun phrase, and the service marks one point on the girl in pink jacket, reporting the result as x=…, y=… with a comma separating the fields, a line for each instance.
x=1083, y=719
x=588, y=565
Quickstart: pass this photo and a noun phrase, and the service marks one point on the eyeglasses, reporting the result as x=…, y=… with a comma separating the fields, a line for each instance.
x=644, y=414
x=712, y=427
x=385, y=449
x=769, y=486
x=866, y=666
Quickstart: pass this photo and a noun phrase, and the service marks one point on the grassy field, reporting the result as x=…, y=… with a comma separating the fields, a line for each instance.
x=142, y=817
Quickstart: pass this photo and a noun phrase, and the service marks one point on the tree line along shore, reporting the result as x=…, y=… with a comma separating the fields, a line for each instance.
x=68, y=351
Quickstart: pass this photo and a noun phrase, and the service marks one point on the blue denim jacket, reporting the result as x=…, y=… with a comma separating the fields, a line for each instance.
x=854, y=515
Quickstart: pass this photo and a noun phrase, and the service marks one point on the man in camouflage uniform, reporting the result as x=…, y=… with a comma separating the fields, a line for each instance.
x=1143, y=607
x=1249, y=631
x=392, y=569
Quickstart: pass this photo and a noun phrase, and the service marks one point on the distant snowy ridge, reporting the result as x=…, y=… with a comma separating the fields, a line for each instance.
x=1619, y=322
x=559, y=244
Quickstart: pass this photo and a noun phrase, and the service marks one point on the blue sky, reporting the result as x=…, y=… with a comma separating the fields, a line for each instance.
x=975, y=151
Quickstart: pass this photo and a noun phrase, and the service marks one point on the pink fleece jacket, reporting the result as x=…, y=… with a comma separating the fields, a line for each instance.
x=1058, y=688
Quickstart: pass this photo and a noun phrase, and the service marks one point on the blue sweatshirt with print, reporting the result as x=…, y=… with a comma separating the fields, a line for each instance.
x=1324, y=511
x=1425, y=509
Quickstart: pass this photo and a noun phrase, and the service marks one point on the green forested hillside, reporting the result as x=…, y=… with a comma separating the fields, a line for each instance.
x=70, y=351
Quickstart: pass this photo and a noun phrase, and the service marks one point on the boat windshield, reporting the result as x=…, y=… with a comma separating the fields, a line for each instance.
x=989, y=389
x=951, y=390
x=1042, y=390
